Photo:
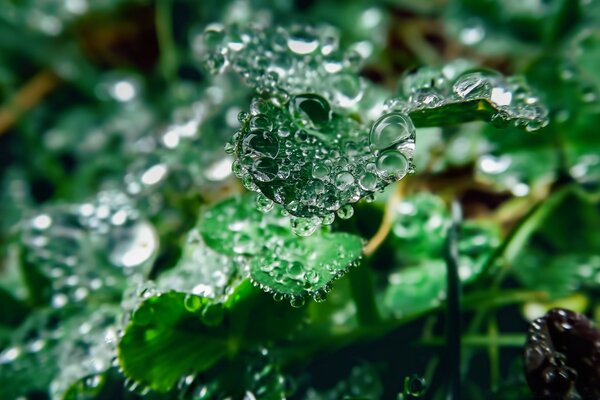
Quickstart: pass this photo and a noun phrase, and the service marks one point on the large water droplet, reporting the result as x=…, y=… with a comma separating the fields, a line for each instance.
x=392, y=165
x=310, y=109
x=302, y=41
x=390, y=131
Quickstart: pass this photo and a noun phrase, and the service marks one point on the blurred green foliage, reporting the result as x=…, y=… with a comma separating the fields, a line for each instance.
x=135, y=264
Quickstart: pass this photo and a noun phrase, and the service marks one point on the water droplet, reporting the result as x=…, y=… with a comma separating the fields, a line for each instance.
x=347, y=89
x=264, y=204
x=212, y=314
x=414, y=386
x=328, y=219
x=295, y=269
x=192, y=303
x=265, y=170
x=310, y=109
x=344, y=180
x=261, y=143
x=305, y=226
x=297, y=301
x=320, y=171
x=345, y=212
x=302, y=40
x=472, y=86
x=368, y=181
x=390, y=131
x=392, y=165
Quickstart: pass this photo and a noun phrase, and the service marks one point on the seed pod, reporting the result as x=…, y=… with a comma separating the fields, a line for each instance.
x=562, y=356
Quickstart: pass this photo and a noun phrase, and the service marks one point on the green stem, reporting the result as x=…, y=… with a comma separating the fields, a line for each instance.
x=493, y=353
x=453, y=311
x=363, y=294
x=506, y=340
x=164, y=32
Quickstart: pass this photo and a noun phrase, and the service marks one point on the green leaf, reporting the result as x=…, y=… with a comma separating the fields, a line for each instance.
x=69, y=343
x=307, y=266
x=418, y=234
x=171, y=335
x=554, y=259
x=280, y=262
x=459, y=93
x=315, y=162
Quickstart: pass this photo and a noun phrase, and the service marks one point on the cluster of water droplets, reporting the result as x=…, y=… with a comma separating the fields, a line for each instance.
x=88, y=353
x=510, y=99
x=281, y=263
x=315, y=162
x=296, y=272
x=89, y=248
x=285, y=60
x=260, y=378
x=188, y=152
x=201, y=271
x=83, y=345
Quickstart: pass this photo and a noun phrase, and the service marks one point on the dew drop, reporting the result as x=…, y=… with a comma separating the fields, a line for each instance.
x=344, y=181
x=345, y=212
x=212, y=315
x=192, y=303
x=414, y=386
x=264, y=204
x=310, y=109
x=302, y=41
x=472, y=86
x=297, y=301
x=368, y=181
x=265, y=169
x=390, y=131
x=392, y=165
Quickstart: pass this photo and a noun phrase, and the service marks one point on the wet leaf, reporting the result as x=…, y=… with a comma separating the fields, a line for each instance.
x=177, y=322
x=280, y=262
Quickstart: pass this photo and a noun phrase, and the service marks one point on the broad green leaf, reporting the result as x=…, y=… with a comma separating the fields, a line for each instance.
x=201, y=270
x=254, y=373
x=69, y=343
x=280, y=262
x=172, y=335
x=519, y=162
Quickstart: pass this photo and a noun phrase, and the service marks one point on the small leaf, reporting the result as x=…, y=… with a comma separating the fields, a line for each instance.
x=457, y=94
x=295, y=269
x=280, y=262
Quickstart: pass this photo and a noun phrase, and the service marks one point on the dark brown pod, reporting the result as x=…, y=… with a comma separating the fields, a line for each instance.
x=562, y=357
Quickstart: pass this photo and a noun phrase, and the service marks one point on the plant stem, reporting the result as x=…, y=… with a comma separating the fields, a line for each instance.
x=493, y=353
x=363, y=294
x=453, y=324
x=27, y=97
x=164, y=32
x=386, y=223
x=505, y=340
